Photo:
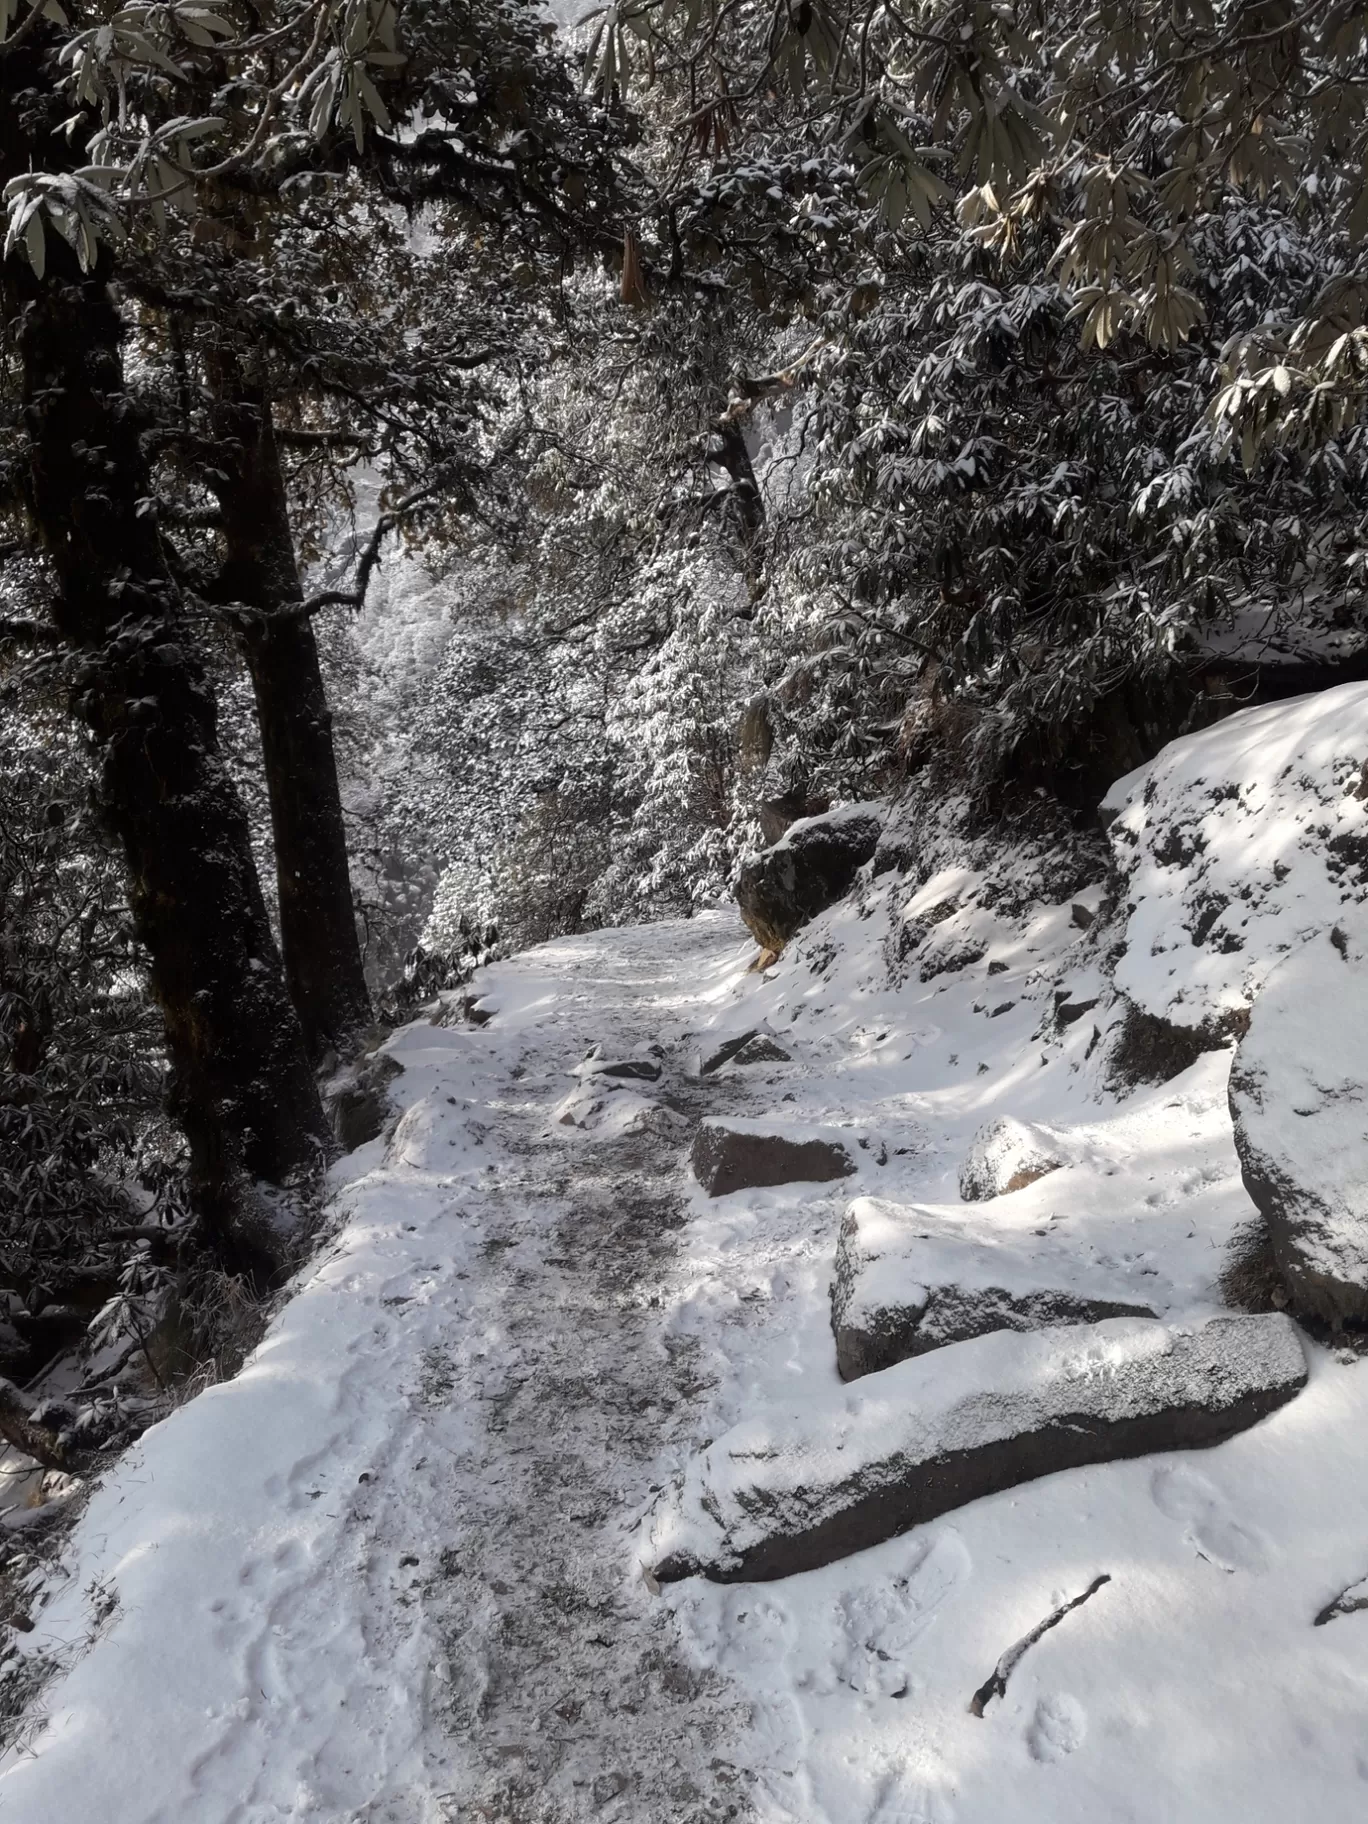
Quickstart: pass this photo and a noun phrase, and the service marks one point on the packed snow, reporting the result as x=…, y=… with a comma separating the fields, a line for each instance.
x=394, y=1571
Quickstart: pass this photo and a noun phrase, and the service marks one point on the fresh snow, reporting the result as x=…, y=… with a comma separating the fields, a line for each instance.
x=1236, y=845
x=1299, y=1097
x=393, y=1573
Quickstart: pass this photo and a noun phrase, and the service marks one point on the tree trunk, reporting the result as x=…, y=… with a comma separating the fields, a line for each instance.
x=323, y=969
x=242, y=1088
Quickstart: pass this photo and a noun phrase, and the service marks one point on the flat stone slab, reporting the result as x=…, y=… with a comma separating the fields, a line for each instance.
x=911, y=1278
x=815, y=1480
x=748, y=1155
x=1299, y=1102
x=1005, y=1156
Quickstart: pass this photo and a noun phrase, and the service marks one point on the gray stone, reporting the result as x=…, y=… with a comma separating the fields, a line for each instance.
x=776, y=815
x=1145, y=1048
x=1068, y=1013
x=813, y=866
x=644, y=1066
x=835, y=1473
x=1299, y=1102
x=910, y=1279
x=726, y=1051
x=1006, y=1155
x=639, y=1070
x=753, y=1047
x=740, y=1156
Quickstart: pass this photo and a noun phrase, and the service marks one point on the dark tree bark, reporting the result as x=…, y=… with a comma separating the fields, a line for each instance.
x=323, y=969
x=242, y=1088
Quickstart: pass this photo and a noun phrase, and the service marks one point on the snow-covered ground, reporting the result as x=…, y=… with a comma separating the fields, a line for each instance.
x=393, y=1573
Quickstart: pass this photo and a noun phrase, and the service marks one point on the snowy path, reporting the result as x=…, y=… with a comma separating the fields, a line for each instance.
x=389, y=1575
x=395, y=1548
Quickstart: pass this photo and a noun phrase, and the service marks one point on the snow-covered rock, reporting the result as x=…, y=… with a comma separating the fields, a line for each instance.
x=742, y=1155
x=761, y=1050
x=809, y=1483
x=357, y=1100
x=911, y=1278
x=1299, y=1099
x=754, y=1046
x=809, y=869
x=1006, y=1155
x=1232, y=848
x=643, y=1066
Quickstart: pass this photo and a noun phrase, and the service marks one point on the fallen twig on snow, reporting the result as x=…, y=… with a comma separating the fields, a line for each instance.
x=1346, y=1603
x=996, y=1685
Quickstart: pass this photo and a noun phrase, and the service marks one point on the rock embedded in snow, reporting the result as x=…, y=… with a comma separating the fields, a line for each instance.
x=1006, y=1155
x=357, y=1100
x=726, y=1051
x=1299, y=1101
x=813, y=866
x=813, y=1482
x=747, y=1155
x=754, y=1046
x=639, y=1070
x=762, y=1050
x=909, y=1280
x=777, y=815
x=644, y=1066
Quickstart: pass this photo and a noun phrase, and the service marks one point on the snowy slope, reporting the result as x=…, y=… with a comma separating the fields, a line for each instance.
x=1237, y=845
x=393, y=1574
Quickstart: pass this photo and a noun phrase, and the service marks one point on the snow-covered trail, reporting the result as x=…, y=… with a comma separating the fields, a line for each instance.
x=390, y=1574
x=384, y=1576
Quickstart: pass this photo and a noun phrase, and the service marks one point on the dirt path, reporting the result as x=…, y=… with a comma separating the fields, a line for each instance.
x=564, y=1695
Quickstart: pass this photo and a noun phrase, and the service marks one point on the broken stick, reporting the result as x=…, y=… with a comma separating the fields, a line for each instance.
x=1348, y=1602
x=996, y=1684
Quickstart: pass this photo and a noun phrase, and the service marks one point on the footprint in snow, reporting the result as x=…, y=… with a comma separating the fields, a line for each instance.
x=904, y=1799
x=757, y=1632
x=1057, y=1728
x=880, y=1623
x=1211, y=1529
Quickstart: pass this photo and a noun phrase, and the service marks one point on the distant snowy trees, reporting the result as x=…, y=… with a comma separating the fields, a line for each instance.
x=981, y=360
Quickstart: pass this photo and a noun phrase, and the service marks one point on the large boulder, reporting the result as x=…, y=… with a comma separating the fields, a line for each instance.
x=746, y=1155
x=910, y=1279
x=1299, y=1101
x=1006, y=1155
x=834, y=1473
x=813, y=866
